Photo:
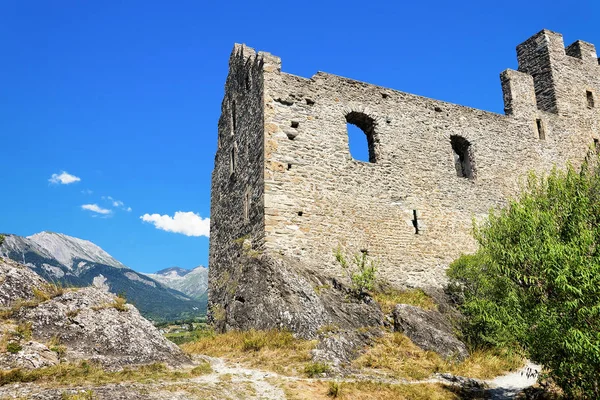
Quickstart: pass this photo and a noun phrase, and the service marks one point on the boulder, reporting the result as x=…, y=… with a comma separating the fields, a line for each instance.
x=32, y=355
x=283, y=293
x=430, y=330
x=90, y=322
x=17, y=282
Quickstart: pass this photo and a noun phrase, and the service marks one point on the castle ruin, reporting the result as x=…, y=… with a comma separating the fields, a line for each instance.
x=286, y=187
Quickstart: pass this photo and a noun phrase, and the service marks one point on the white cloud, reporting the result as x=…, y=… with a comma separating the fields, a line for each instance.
x=116, y=203
x=95, y=208
x=128, y=209
x=187, y=223
x=64, y=178
x=87, y=191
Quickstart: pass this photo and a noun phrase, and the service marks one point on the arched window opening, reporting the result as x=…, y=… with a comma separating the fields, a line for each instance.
x=361, y=136
x=463, y=157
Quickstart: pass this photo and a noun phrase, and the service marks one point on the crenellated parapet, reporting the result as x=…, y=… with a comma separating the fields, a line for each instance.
x=564, y=78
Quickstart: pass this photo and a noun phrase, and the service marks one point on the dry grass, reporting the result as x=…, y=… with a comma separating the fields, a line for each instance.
x=388, y=298
x=119, y=304
x=80, y=395
x=273, y=350
x=89, y=373
x=48, y=291
x=41, y=294
x=364, y=390
x=395, y=355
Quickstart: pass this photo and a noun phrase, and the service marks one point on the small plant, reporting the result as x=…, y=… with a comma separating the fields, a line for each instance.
x=14, y=347
x=334, y=390
x=23, y=331
x=1, y=239
x=361, y=270
x=55, y=346
x=48, y=291
x=83, y=395
x=119, y=303
x=328, y=329
x=388, y=297
x=316, y=369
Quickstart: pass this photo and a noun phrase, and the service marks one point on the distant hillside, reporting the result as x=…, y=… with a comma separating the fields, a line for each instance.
x=76, y=262
x=193, y=283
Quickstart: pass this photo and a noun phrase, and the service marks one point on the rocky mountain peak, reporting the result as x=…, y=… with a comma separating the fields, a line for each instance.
x=70, y=251
x=193, y=282
x=173, y=272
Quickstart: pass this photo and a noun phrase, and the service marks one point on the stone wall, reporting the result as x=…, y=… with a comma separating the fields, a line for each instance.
x=408, y=207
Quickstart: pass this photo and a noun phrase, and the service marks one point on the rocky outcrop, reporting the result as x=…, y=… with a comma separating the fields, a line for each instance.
x=429, y=330
x=281, y=293
x=32, y=355
x=94, y=326
x=91, y=323
x=339, y=348
x=74, y=262
x=16, y=282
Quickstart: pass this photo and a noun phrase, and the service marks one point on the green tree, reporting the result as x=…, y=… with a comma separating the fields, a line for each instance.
x=535, y=280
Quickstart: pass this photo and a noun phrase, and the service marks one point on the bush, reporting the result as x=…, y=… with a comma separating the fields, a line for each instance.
x=535, y=280
x=361, y=270
x=316, y=369
x=334, y=390
x=13, y=347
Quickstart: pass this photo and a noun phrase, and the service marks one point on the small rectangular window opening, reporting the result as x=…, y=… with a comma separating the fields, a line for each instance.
x=247, y=207
x=233, y=118
x=540, y=129
x=415, y=222
x=590, y=99
x=232, y=155
x=597, y=145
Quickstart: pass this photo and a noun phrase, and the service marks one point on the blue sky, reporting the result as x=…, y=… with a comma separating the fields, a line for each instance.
x=126, y=95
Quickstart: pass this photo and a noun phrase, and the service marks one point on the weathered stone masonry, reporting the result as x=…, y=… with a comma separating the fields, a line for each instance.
x=284, y=178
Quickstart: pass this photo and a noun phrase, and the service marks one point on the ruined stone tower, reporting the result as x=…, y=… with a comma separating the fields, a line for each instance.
x=285, y=189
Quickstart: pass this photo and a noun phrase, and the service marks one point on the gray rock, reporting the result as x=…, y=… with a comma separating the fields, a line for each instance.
x=32, y=355
x=429, y=330
x=266, y=293
x=16, y=282
x=87, y=321
x=340, y=347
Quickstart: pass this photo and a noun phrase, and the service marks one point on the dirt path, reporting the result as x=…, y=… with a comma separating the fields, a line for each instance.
x=238, y=374
x=234, y=381
x=507, y=386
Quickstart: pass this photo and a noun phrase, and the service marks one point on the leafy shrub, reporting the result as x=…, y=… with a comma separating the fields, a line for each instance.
x=360, y=269
x=334, y=390
x=535, y=280
x=13, y=347
x=316, y=369
x=1, y=239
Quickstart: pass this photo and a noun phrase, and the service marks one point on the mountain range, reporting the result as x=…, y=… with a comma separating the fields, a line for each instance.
x=193, y=283
x=75, y=262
